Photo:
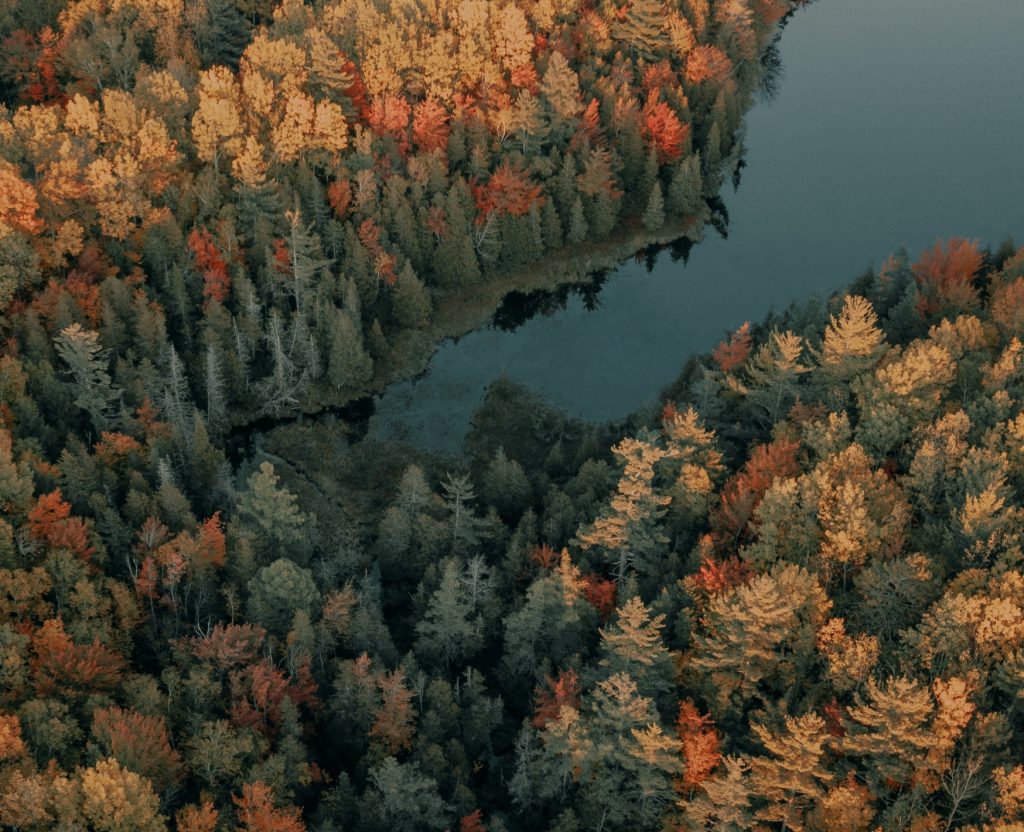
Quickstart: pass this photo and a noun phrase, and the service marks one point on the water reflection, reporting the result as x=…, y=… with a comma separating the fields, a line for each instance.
x=898, y=123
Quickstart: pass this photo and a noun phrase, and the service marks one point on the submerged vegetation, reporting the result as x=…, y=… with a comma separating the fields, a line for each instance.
x=793, y=599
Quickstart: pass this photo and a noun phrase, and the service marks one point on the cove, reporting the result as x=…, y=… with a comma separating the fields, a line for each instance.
x=896, y=121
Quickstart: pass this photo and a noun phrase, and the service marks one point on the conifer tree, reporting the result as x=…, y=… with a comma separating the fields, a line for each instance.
x=96, y=394
x=654, y=214
x=578, y=228
x=794, y=777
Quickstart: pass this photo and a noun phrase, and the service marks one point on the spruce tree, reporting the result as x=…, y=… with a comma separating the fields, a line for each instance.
x=654, y=215
x=578, y=228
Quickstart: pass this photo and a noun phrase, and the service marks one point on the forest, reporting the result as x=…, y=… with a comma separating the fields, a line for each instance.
x=789, y=598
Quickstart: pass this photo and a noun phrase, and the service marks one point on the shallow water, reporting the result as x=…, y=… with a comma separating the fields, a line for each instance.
x=897, y=122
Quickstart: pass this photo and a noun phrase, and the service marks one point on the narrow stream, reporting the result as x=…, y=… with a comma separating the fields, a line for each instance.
x=896, y=122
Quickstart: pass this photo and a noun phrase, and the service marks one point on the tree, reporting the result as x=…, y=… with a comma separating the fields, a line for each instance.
x=633, y=645
x=663, y=130
x=506, y=485
x=561, y=87
x=654, y=214
x=642, y=28
x=404, y=800
x=945, y=277
x=138, y=742
x=725, y=803
x=270, y=517
x=412, y=300
x=278, y=591
x=628, y=530
x=464, y=524
x=96, y=394
x=114, y=799
x=794, y=776
x=889, y=728
x=701, y=744
x=256, y=812
x=755, y=631
x=578, y=227
x=394, y=722
x=774, y=373
x=451, y=631
x=430, y=129
x=686, y=189
x=50, y=521
x=626, y=761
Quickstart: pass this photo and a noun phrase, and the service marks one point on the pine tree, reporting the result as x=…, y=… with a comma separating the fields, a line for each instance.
x=411, y=300
x=889, y=727
x=222, y=35
x=654, y=214
x=216, y=403
x=852, y=340
x=633, y=644
x=551, y=225
x=348, y=365
x=795, y=774
x=685, y=191
x=270, y=517
x=578, y=228
x=449, y=631
x=629, y=531
x=643, y=29
x=465, y=526
x=96, y=394
x=753, y=631
x=277, y=592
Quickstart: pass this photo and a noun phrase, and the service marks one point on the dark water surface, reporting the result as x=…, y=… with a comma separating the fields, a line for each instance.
x=896, y=122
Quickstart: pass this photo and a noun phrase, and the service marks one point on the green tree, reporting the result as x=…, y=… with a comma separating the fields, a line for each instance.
x=278, y=591
x=96, y=395
x=685, y=195
x=578, y=228
x=270, y=518
x=404, y=800
x=451, y=629
x=654, y=214
x=411, y=300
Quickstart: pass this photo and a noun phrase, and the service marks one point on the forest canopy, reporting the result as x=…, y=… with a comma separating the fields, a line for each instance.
x=793, y=599
x=298, y=200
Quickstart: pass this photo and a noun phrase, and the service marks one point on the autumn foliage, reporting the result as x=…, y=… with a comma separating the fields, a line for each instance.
x=701, y=744
x=731, y=354
x=216, y=280
x=50, y=522
x=508, y=191
x=557, y=693
x=257, y=813
x=945, y=277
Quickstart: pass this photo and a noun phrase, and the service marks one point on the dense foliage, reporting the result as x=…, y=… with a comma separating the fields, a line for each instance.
x=284, y=205
x=794, y=600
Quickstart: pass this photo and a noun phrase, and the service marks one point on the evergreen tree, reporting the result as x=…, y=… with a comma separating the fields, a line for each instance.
x=278, y=591
x=270, y=518
x=642, y=28
x=96, y=395
x=551, y=225
x=450, y=631
x=578, y=228
x=411, y=300
x=793, y=778
x=685, y=191
x=654, y=214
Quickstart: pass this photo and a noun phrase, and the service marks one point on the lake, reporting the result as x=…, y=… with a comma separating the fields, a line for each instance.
x=897, y=122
